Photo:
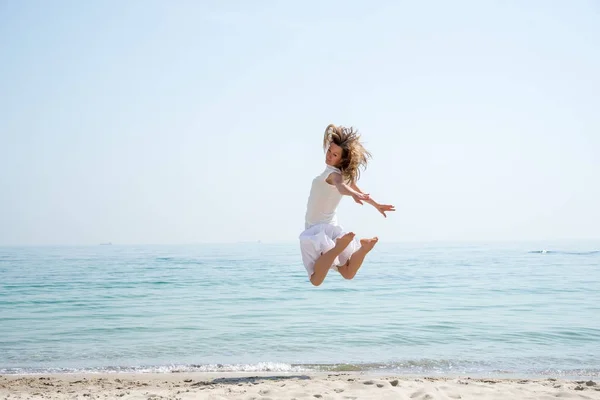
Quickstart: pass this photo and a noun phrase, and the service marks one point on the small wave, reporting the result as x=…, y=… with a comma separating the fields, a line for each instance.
x=258, y=367
x=409, y=366
x=179, y=260
x=574, y=253
x=566, y=373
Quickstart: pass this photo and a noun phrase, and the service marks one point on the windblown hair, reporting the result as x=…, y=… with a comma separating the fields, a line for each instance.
x=354, y=155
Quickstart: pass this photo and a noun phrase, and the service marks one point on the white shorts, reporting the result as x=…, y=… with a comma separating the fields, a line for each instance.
x=319, y=239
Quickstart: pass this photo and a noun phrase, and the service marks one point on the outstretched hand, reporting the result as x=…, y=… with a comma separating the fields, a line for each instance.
x=360, y=197
x=383, y=208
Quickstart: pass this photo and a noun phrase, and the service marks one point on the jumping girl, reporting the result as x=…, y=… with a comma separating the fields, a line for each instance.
x=324, y=244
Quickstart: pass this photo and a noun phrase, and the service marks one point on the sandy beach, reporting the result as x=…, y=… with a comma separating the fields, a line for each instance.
x=266, y=386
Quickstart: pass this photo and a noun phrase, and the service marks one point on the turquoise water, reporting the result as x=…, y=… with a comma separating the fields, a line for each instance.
x=521, y=309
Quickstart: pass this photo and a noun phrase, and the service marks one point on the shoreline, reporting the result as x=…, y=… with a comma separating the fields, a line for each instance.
x=309, y=369
x=288, y=385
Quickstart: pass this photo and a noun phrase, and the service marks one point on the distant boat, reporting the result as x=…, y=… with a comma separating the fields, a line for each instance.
x=105, y=244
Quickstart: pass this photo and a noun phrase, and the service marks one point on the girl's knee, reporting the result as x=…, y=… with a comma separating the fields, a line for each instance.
x=315, y=281
x=345, y=273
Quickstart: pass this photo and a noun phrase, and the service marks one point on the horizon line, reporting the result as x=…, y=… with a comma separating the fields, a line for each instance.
x=268, y=242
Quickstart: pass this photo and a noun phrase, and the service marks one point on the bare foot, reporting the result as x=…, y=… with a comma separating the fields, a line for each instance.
x=343, y=241
x=368, y=244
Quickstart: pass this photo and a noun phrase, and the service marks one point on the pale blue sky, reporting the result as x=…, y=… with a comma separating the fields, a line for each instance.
x=201, y=121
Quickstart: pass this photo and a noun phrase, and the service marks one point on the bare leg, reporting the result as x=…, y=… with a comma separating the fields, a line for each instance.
x=349, y=270
x=326, y=259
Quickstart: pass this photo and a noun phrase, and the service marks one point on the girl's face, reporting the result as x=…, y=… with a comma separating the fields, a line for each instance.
x=334, y=155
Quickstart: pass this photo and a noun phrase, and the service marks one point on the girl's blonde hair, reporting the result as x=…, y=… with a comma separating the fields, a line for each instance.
x=354, y=155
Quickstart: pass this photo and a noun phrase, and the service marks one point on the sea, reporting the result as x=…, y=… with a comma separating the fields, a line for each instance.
x=528, y=309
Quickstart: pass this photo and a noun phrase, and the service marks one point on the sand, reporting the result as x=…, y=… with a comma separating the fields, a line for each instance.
x=264, y=386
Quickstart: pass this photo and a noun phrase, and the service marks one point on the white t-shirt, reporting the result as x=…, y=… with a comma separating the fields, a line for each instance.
x=323, y=200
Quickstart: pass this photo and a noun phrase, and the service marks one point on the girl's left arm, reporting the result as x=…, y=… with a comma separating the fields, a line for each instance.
x=382, y=208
